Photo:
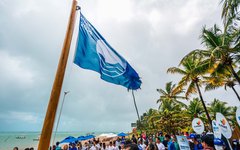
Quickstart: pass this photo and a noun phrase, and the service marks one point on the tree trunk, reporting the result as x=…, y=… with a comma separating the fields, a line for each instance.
x=236, y=93
x=204, y=106
x=234, y=73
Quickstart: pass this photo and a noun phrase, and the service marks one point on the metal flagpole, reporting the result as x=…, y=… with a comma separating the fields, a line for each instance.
x=47, y=129
x=60, y=113
x=136, y=108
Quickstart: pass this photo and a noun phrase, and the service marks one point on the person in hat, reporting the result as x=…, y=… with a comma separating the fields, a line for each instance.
x=195, y=144
x=73, y=146
x=208, y=142
x=219, y=144
x=161, y=136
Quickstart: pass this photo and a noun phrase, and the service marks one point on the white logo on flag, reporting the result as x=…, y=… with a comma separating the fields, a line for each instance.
x=110, y=63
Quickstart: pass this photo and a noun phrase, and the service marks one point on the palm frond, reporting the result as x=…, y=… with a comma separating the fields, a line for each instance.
x=191, y=89
x=176, y=70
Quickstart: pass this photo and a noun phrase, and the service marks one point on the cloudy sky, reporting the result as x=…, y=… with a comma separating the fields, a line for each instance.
x=152, y=35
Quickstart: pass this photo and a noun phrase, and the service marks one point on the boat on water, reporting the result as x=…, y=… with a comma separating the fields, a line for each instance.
x=37, y=139
x=21, y=137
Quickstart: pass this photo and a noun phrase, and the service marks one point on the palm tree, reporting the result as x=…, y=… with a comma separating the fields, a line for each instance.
x=216, y=80
x=229, y=11
x=172, y=117
x=194, y=109
x=193, y=68
x=149, y=119
x=222, y=48
x=170, y=94
x=219, y=106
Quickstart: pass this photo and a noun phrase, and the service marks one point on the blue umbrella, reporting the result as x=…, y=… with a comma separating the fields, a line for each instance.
x=81, y=138
x=89, y=137
x=122, y=134
x=69, y=139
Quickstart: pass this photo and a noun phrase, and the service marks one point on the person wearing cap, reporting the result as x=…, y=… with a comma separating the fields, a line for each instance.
x=195, y=144
x=161, y=136
x=208, y=142
x=218, y=144
x=73, y=146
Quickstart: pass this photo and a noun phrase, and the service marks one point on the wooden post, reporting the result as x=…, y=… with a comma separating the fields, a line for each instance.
x=46, y=134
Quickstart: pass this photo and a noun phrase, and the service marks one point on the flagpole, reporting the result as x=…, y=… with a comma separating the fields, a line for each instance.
x=135, y=104
x=47, y=129
x=59, y=116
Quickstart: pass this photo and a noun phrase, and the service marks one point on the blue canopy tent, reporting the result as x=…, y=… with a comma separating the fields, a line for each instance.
x=89, y=137
x=69, y=139
x=122, y=134
x=81, y=138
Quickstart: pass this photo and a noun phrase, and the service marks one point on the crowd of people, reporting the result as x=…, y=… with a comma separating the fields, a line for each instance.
x=156, y=141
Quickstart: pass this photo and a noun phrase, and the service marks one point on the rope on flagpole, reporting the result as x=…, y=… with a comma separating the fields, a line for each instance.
x=135, y=104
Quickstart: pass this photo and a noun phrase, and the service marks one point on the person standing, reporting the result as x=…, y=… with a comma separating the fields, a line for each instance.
x=134, y=140
x=160, y=146
x=195, y=145
x=208, y=142
x=170, y=144
x=161, y=136
x=57, y=146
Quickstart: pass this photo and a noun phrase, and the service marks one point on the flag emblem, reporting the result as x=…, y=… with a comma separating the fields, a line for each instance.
x=110, y=63
x=94, y=53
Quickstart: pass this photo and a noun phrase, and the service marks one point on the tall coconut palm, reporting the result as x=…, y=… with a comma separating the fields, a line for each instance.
x=193, y=68
x=171, y=117
x=170, y=94
x=149, y=118
x=229, y=10
x=222, y=49
x=194, y=109
x=219, y=106
x=216, y=80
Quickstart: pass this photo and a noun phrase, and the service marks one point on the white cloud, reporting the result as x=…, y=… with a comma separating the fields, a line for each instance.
x=14, y=69
x=14, y=116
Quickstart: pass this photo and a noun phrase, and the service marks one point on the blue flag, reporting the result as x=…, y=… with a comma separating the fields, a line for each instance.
x=94, y=53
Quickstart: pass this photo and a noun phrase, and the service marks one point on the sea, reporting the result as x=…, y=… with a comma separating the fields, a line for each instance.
x=22, y=140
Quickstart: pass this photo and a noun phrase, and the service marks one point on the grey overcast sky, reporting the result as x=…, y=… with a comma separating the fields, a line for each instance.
x=152, y=35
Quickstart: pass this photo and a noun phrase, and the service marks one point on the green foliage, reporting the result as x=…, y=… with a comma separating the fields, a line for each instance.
x=217, y=65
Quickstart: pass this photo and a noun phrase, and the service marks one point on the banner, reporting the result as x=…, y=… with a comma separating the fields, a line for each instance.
x=198, y=125
x=238, y=115
x=224, y=126
x=183, y=143
x=216, y=130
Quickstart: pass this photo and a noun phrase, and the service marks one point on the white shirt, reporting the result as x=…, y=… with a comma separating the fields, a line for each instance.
x=93, y=148
x=115, y=148
x=118, y=143
x=143, y=146
x=160, y=146
x=110, y=147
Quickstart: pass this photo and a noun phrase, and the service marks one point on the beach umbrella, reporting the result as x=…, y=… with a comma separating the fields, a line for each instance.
x=122, y=134
x=69, y=139
x=108, y=135
x=89, y=137
x=81, y=138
